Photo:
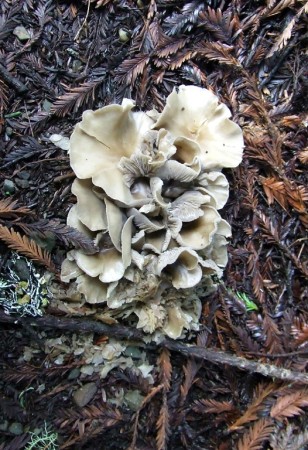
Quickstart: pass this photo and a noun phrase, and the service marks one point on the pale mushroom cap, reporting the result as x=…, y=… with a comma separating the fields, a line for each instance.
x=198, y=234
x=90, y=209
x=74, y=221
x=92, y=288
x=176, y=322
x=194, y=113
x=107, y=265
x=101, y=139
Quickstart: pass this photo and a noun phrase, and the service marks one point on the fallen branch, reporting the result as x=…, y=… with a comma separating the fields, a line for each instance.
x=219, y=357
x=214, y=356
x=73, y=324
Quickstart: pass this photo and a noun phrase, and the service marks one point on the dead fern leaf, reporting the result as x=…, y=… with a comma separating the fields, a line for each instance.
x=262, y=391
x=165, y=368
x=180, y=59
x=289, y=438
x=162, y=425
x=277, y=9
x=190, y=370
x=290, y=405
x=299, y=330
x=217, y=52
x=129, y=70
x=4, y=97
x=171, y=47
x=76, y=97
x=275, y=190
x=256, y=435
x=220, y=25
x=296, y=196
x=26, y=247
x=9, y=209
x=155, y=390
x=303, y=156
x=68, y=235
x=100, y=2
x=287, y=32
x=211, y=406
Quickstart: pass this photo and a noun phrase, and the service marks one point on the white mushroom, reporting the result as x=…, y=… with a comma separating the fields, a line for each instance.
x=148, y=188
x=196, y=114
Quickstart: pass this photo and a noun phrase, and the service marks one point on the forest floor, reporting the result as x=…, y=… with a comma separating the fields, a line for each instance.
x=59, y=58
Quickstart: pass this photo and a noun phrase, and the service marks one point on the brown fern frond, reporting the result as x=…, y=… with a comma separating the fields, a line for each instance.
x=99, y=3
x=297, y=195
x=274, y=190
x=4, y=97
x=262, y=391
x=190, y=370
x=290, y=405
x=171, y=47
x=76, y=97
x=26, y=247
x=9, y=209
x=303, y=156
x=68, y=235
x=277, y=9
x=270, y=231
x=217, y=52
x=273, y=335
x=163, y=425
x=189, y=15
x=288, y=438
x=180, y=59
x=165, y=368
x=299, y=330
x=129, y=70
x=256, y=435
x=220, y=25
x=211, y=406
x=155, y=390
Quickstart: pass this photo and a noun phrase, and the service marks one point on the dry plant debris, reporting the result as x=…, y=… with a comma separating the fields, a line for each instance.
x=253, y=56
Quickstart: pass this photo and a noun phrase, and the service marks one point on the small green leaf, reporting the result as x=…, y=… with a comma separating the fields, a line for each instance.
x=249, y=304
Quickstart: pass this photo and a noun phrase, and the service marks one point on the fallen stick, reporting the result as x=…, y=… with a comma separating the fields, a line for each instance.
x=220, y=357
x=214, y=356
x=12, y=81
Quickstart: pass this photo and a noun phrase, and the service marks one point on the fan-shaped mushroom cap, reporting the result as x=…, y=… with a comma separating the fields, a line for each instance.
x=100, y=140
x=92, y=288
x=194, y=113
x=183, y=265
x=216, y=185
x=69, y=271
x=91, y=211
x=198, y=233
x=107, y=264
x=74, y=221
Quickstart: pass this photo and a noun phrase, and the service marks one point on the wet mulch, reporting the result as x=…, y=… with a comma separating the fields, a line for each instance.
x=58, y=58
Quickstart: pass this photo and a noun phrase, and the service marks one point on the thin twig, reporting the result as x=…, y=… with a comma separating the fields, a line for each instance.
x=84, y=22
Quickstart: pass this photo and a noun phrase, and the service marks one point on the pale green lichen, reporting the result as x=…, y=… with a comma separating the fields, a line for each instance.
x=17, y=295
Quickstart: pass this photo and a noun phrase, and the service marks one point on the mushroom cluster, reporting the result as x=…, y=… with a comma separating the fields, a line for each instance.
x=148, y=188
